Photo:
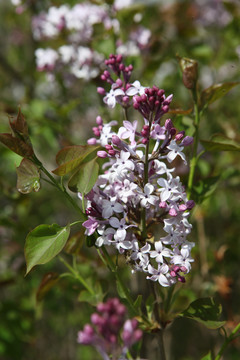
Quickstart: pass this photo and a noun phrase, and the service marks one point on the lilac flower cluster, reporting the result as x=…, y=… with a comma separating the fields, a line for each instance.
x=138, y=195
x=109, y=332
x=76, y=58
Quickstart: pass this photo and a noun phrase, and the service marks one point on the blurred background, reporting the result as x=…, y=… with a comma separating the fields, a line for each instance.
x=51, y=60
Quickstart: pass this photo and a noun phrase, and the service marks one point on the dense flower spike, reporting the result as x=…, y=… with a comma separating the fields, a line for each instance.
x=107, y=324
x=138, y=195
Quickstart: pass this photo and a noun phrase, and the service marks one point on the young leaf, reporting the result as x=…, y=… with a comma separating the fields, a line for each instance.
x=220, y=142
x=206, y=311
x=215, y=92
x=16, y=145
x=43, y=243
x=71, y=157
x=138, y=303
x=28, y=177
x=85, y=177
x=48, y=281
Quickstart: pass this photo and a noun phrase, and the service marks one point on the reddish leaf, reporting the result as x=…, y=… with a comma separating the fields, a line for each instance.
x=189, y=69
x=16, y=145
x=48, y=281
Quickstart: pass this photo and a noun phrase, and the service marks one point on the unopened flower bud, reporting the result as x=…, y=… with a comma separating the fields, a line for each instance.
x=173, y=212
x=101, y=90
x=92, y=141
x=116, y=140
x=180, y=135
x=190, y=204
x=102, y=154
x=188, y=140
x=168, y=124
x=99, y=120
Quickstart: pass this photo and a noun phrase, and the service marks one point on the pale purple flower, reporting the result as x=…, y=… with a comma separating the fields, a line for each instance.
x=159, y=274
x=160, y=252
x=135, y=88
x=175, y=151
x=146, y=198
x=110, y=98
x=111, y=206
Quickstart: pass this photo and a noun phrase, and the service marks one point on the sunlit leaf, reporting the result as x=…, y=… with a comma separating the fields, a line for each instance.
x=28, y=177
x=71, y=157
x=43, y=243
x=207, y=357
x=48, y=281
x=85, y=177
x=215, y=92
x=220, y=142
x=206, y=311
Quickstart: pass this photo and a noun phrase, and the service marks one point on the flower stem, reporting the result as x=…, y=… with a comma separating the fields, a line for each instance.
x=227, y=341
x=77, y=276
x=60, y=187
x=195, y=158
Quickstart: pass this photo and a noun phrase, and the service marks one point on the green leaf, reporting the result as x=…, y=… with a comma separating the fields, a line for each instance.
x=43, y=243
x=93, y=299
x=220, y=142
x=71, y=157
x=85, y=177
x=207, y=357
x=48, y=281
x=204, y=188
x=28, y=177
x=138, y=303
x=206, y=311
x=215, y=92
x=150, y=305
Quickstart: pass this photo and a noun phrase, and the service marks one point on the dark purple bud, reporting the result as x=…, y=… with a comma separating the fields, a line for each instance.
x=103, y=78
x=119, y=58
x=119, y=82
x=86, y=337
x=188, y=140
x=173, y=273
x=183, y=269
x=116, y=140
x=173, y=131
x=180, y=135
x=112, y=152
x=108, y=147
x=144, y=141
x=165, y=108
x=168, y=124
x=190, y=204
x=181, y=279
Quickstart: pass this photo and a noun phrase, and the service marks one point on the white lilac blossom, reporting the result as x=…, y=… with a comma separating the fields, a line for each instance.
x=76, y=58
x=138, y=194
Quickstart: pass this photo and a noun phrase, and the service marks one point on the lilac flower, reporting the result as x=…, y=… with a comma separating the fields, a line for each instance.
x=111, y=98
x=109, y=207
x=146, y=198
x=175, y=150
x=159, y=274
x=160, y=252
x=135, y=88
